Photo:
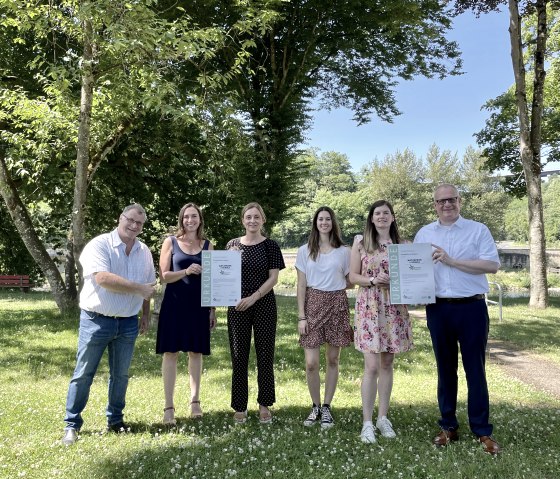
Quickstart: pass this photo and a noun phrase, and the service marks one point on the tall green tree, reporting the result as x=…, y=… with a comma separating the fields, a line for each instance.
x=337, y=53
x=95, y=70
x=528, y=52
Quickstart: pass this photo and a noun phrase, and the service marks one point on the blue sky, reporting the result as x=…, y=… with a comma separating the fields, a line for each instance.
x=445, y=112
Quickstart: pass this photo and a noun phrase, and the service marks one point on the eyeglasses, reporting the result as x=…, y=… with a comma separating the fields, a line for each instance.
x=133, y=222
x=451, y=201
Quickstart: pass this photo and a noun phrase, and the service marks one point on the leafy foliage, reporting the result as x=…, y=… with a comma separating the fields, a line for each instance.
x=516, y=222
x=343, y=53
x=407, y=182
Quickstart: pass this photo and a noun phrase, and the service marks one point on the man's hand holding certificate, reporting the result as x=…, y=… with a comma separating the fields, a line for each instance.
x=411, y=273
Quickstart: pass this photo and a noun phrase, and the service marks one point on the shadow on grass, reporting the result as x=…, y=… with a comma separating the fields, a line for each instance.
x=214, y=447
x=22, y=326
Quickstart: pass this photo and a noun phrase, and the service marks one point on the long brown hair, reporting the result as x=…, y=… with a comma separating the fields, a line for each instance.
x=181, y=230
x=371, y=235
x=335, y=236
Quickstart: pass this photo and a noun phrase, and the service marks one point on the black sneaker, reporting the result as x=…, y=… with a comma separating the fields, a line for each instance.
x=326, y=417
x=119, y=427
x=314, y=416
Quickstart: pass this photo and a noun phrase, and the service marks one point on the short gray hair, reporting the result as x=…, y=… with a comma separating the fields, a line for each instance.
x=138, y=207
x=446, y=185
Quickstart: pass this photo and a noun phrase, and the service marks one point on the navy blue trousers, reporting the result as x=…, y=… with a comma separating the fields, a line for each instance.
x=464, y=325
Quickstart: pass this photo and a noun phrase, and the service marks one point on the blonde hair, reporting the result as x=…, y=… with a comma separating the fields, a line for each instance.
x=253, y=204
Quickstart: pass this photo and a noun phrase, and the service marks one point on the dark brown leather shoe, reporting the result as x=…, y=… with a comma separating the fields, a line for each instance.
x=490, y=445
x=445, y=437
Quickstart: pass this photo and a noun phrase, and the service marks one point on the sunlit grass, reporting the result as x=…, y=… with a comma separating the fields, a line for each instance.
x=529, y=329
x=37, y=350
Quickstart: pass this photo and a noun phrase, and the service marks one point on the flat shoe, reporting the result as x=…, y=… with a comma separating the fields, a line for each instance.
x=240, y=417
x=196, y=414
x=265, y=416
x=169, y=416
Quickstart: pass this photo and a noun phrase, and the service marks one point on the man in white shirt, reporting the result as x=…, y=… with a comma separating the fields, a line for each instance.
x=463, y=252
x=119, y=280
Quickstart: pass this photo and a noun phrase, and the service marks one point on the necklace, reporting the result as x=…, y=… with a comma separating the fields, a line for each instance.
x=189, y=242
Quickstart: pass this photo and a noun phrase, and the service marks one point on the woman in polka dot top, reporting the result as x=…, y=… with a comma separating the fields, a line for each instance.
x=261, y=261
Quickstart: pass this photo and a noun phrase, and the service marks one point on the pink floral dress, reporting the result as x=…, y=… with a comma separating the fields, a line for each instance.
x=379, y=326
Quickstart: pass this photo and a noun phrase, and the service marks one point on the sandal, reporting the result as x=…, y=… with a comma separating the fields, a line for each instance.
x=265, y=416
x=169, y=416
x=196, y=414
x=240, y=417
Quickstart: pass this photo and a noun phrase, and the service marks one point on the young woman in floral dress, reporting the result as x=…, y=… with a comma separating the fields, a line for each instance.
x=381, y=329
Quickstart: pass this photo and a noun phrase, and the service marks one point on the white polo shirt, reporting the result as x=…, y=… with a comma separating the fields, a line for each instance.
x=328, y=272
x=464, y=239
x=106, y=252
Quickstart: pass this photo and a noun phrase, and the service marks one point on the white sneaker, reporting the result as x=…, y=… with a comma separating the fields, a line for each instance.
x=368, y=434
x=314, y=417
x=385, y=427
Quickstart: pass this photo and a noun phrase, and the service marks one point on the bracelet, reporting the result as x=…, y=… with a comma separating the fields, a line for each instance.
x=302, y=319
x=186, y=273
x=371, y=280
x=260, y=294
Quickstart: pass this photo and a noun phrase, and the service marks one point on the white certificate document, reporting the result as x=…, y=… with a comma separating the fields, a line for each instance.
x=221, y=278
x=411, y=273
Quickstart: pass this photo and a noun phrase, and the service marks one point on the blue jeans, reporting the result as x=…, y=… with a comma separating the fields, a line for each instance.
x=98, y=332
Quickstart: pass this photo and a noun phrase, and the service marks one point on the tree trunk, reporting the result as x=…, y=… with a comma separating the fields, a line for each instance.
x=530, y=144
x=70, y=271
x=32, y=242
x=82, y=149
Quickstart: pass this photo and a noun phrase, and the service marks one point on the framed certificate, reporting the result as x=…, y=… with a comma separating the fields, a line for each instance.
x=221, y=278
x=411, y=273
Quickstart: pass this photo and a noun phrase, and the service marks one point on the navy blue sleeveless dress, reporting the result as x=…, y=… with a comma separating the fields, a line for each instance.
x=183, y=325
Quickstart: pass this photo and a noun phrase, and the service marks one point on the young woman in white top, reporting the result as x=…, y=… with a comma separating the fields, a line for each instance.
x=323, y=315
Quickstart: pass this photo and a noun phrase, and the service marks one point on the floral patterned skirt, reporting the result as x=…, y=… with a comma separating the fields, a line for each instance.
x=328, y=319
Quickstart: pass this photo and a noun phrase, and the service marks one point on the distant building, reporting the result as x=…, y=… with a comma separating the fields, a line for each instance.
x=518, y=258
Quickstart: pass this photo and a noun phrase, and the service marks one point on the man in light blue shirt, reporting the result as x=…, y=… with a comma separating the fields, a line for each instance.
x=119, y=280
x=463, y=253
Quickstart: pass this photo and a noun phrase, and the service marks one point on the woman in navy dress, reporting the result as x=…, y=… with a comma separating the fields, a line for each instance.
x=184, y=325
x=261, y=261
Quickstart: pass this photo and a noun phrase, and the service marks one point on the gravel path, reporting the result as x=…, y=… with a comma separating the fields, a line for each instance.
x=532, y=369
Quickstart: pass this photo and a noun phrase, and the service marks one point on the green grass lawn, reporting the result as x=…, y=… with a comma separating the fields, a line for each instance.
x=37, y=349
